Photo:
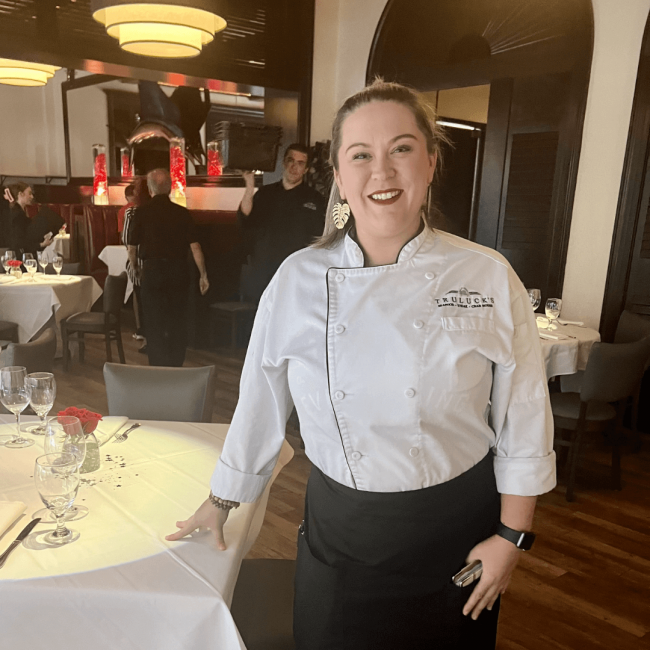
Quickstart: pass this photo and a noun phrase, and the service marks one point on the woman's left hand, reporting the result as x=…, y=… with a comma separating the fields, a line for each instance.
x=499, y=558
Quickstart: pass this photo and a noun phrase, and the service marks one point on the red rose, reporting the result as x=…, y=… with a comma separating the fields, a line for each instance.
x=88, y=419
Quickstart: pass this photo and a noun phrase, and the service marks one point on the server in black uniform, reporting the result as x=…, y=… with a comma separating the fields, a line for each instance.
x=413, y=360
x=165, y=233
x=280, y=218
x=22, y=238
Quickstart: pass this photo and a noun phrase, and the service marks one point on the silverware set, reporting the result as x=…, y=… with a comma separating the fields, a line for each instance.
x=125, y=434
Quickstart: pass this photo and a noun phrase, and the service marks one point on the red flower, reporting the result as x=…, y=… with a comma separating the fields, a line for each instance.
x=88, y=419
x=14, y=264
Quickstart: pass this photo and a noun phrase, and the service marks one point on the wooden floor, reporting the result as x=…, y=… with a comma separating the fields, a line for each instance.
x=586, y=583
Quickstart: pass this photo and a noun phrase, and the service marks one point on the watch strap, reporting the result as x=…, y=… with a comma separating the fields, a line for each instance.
x=521, y=540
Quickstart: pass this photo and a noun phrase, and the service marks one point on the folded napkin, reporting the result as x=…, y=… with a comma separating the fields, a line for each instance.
x=108, y=427
x=579, y=323
x=9, y=512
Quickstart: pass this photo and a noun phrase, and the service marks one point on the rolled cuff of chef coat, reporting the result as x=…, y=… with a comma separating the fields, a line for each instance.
x=233, y=485
x=525, y=477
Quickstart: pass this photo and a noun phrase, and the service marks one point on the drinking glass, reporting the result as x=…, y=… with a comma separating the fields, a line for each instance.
x=42, y=391
x=6, y=258
x=553, y=309
x=65, y=435
x=31, y=267
x=57, y=264
x=27, y=256
x=14, y=396
x=42, y=259
x=57, y=480
x=535, y=297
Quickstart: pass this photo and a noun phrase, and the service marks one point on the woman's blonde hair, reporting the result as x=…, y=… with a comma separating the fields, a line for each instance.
x=425, y=118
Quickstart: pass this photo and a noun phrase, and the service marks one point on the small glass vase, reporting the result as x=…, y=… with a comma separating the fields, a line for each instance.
x=92, y=462
x=16, y=272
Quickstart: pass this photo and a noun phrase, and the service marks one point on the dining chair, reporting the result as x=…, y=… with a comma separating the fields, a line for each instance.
x=8, y=331
x=36, y=356
x=613, y=373
x=236, y=313
x=107, y=322
x=633, y=327
x=160, y=393
x=262, y=605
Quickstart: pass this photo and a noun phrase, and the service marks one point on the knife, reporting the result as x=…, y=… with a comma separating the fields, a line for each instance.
x=25, y=531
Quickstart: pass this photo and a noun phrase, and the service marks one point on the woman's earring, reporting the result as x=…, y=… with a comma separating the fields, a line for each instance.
x=340, y=214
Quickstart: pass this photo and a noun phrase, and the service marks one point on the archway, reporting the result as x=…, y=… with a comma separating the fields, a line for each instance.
x=534, y=59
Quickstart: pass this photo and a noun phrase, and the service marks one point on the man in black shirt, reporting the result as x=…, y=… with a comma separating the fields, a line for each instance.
x=165, y=232
x=280, y=218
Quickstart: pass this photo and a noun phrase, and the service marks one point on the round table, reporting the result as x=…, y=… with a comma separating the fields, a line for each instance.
x=566, y=349
x=115, y=257
x=121, y=584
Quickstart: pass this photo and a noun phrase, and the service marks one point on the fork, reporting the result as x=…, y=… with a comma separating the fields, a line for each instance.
x=123, y=436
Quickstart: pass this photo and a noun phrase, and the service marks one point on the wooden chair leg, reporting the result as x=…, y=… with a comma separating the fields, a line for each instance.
x=82, y=346
x=120, y=348
x=616, y=447
x=107, y=341
x=66, y=349
x=572, y=463
x=636, y=442
x=233, y=331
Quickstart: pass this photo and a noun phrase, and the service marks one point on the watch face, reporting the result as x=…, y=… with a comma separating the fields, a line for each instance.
x=526, y=541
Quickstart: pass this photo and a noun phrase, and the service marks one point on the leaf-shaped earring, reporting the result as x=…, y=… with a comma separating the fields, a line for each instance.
x=340, y=214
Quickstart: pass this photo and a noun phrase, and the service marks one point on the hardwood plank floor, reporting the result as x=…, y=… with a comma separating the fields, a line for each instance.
x=585, y=584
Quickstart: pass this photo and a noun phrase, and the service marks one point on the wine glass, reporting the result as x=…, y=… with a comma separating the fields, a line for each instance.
x=42, y=259
x=535, y=297
x=6, y=258
x=57, y=480
x=31, y=266
x=57, y=264
x=14, y=396
x=42, y=391
x=65, y=435
x=553, y=309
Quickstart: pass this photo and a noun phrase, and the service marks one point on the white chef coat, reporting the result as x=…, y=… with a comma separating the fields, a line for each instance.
x=404, y=376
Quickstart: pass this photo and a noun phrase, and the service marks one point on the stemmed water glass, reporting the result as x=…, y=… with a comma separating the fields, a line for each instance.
x=14, y=395
x=553, y=309
x=65, y=435
x=57, y=264
x=30, y=265
x=535, y=297
x=42, y=391
x=6, y=258
x=57, y=480
x=42, y=259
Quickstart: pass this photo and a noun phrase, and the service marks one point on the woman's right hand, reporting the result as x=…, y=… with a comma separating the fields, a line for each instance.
x=207, y=516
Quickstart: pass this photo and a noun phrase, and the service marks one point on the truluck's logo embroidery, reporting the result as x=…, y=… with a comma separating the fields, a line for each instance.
x=464, y=299
x=310, y=205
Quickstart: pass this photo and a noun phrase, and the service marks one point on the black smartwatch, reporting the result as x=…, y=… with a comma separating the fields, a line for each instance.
x=523, y=541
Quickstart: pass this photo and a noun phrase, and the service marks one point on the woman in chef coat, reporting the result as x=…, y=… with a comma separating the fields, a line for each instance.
x=413, y=361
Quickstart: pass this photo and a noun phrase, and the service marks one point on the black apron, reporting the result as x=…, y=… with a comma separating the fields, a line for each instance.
x=374, y=569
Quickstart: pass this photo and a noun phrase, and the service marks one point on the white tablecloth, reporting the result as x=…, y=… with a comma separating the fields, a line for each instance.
x=567, y=355
x=121, y=585
x=33, y=304
x=115, y=258
x=60, y=246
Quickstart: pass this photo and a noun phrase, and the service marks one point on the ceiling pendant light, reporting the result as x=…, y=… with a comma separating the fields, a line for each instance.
x=24, y=73
x=171, y=29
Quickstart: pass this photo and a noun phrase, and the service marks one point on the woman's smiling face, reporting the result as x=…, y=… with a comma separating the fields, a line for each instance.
x=384, y=168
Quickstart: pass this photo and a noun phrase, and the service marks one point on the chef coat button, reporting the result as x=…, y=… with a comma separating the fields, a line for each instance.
x=339, y=394
x=355, y=455
x=409, y=392
x=339, y=277
x=429, y=276
x=339, y=329
x=418, y=324
x=414, y=451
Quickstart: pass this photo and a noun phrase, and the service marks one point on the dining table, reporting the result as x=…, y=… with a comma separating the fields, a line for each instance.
x=60, y=246
x=42, y=300
x=565, y=350
x=121, y=584
x=115, y=257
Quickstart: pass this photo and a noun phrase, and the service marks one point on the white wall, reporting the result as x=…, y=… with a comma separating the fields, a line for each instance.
x=617, y=45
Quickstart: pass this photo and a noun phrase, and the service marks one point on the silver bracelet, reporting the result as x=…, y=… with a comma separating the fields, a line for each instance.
x=222, y=504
